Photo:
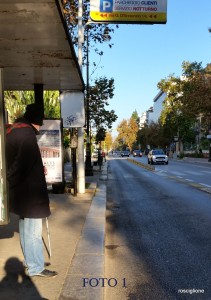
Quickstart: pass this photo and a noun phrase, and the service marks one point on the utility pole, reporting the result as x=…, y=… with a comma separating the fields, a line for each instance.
x=4, y=209
x=88, y=163
x=81, y=164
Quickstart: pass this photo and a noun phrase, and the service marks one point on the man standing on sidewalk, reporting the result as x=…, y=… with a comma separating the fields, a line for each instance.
x=28, y=195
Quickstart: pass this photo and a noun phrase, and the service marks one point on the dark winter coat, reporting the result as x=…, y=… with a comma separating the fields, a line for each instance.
x=28, y=195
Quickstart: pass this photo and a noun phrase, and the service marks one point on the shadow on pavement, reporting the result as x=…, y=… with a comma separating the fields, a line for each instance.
x=16, y=285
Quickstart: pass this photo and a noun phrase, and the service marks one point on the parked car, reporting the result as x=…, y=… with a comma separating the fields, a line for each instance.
x=157, y=156
x=137, y=153
x=125, y=153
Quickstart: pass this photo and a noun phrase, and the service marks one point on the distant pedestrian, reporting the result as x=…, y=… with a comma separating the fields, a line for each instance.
x=104, y=156
x=28, y=193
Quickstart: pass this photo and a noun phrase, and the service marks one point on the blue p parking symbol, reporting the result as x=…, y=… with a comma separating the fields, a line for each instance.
x=106, y=5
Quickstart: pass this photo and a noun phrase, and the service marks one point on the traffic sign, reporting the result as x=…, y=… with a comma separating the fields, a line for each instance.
x=127, y=12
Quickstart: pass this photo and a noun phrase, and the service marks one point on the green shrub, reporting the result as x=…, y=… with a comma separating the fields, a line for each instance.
x=196, y=154
x=181, y=155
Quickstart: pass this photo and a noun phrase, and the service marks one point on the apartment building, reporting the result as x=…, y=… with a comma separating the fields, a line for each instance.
x=155, y=113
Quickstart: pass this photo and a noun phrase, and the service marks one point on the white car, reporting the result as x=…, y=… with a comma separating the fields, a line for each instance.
x=125, y=153
x=157, y=156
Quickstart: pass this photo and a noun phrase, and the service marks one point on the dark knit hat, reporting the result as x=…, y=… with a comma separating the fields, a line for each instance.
x=34, y=114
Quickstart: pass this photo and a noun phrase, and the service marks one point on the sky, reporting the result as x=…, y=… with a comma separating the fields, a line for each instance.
x=142, y=55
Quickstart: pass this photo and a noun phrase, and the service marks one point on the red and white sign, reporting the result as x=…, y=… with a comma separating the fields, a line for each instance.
x=50, y=144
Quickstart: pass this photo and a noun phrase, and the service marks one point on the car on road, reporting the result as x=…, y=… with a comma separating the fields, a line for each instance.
x=137, y=153
x=117, y=153
x=157, y=156
x=125, y=153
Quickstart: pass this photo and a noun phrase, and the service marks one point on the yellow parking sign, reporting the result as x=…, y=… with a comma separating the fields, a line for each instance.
x=129, y=11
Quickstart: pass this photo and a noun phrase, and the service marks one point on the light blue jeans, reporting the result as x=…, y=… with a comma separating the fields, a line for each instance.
x=30, y=231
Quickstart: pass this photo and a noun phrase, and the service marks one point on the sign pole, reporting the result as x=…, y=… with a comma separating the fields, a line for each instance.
x=4, y=210
x=73, y=146
x=81, y=163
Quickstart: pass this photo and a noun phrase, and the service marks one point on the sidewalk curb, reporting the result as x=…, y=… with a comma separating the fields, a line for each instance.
x=88, y=262
x=196, y=160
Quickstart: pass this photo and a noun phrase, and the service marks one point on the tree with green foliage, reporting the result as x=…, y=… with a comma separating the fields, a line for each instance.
x=154, y=135
x=52, y=104
x=188, y=96
x=101, y=134
x=127, y=132
x=94, y=35
x=108, y=141
x=16, y=102
x=100, y=93
x=94, y=31
x=135, y=116
x=196, y=97
x=186, y=110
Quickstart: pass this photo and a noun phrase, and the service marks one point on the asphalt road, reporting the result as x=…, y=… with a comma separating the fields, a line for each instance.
x=196, y=172
x=158, y=236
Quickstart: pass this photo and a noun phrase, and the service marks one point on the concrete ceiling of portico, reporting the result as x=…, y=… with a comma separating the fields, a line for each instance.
x=35, y=47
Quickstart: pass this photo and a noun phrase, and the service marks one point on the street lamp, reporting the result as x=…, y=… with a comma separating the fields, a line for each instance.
x=88, y=162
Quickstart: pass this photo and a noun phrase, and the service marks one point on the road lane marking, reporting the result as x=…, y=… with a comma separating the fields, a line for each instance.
x=194, y=173
x=207, y=172
x=177, y=177
x=177, y=173
x=206, y=185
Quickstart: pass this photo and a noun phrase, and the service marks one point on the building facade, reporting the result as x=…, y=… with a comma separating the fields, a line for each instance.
x=155, y=113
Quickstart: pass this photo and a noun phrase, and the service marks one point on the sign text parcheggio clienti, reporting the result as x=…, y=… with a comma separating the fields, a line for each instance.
x=129, y=11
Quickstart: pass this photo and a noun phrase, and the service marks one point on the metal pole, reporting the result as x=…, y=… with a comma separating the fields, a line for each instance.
x=74, y=165
x=88, y=162
x=48, y=234
x=4, y=205
x=81, y=164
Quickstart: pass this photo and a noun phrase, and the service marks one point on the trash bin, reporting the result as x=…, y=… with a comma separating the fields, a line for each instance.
x=58, y=188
